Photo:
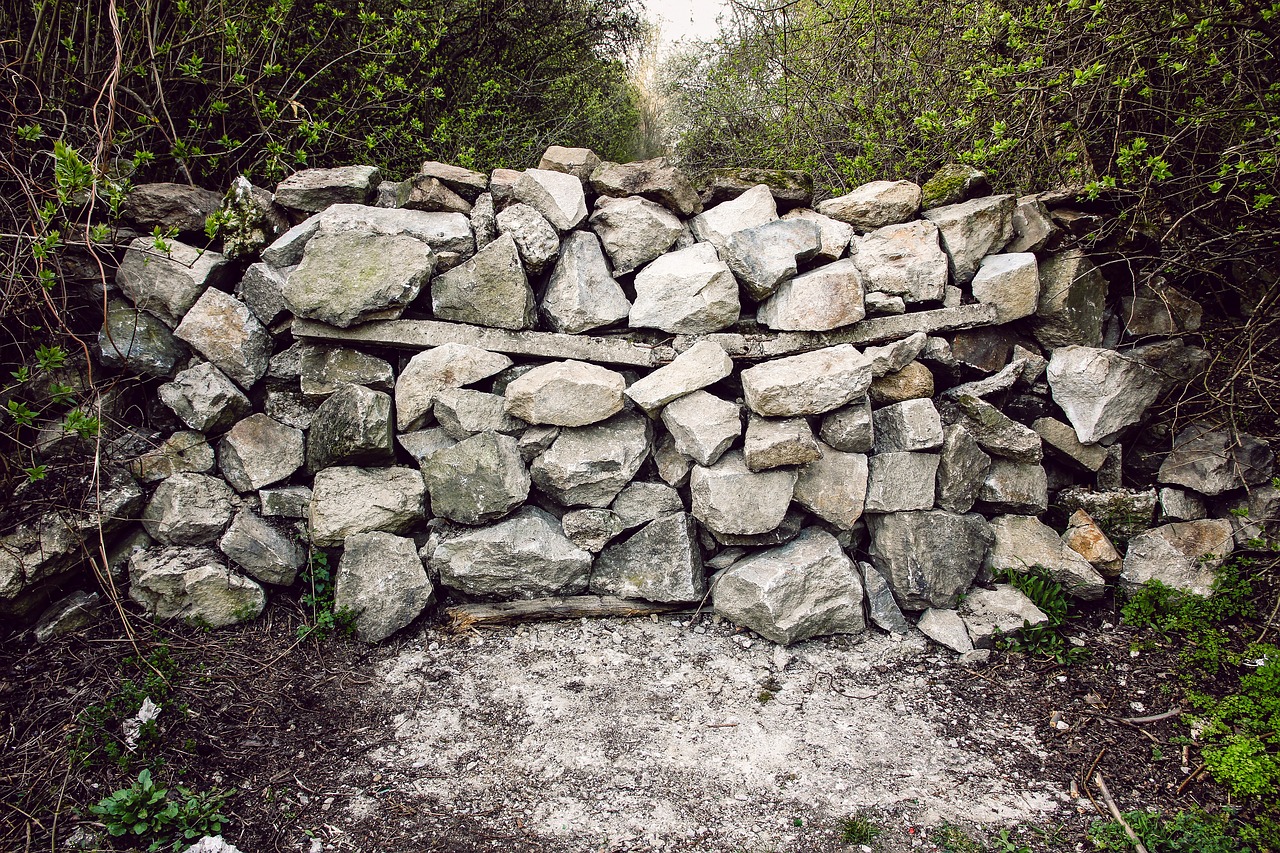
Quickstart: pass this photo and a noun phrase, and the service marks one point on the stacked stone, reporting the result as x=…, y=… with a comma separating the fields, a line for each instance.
x=827, y=413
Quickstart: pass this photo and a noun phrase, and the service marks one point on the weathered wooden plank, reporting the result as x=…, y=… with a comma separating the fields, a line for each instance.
x=465, y=616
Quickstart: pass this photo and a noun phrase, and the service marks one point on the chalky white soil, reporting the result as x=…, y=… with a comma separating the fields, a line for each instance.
x=641, y=734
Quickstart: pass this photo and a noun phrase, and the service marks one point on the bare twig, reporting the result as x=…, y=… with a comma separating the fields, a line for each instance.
x=1115, y=813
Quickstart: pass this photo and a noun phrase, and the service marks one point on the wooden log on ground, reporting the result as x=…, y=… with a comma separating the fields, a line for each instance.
x=465, y=616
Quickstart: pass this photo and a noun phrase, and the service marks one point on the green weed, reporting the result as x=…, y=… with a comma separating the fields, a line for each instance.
x=858, y=830
x=1186, y=832
x=1048, y=639
x=145, y=813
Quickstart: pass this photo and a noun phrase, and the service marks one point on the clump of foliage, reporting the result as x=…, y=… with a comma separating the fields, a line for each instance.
x=317, y=597
x=1048, y=639
x=147, y=814
x=1186, y=832
x=858, y=830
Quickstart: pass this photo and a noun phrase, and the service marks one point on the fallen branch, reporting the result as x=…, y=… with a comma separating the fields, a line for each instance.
x=1154, y=718
x=1115, y=813
x=463, y=617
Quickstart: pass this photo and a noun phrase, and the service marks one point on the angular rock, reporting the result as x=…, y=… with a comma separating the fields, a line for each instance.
x=773, y=443
x=138, y=341
x=850, y=429
x=702, y=425
x=661, y=562
x=640, y=502
x=1015, y=487
x=182, y=452
x=688, y=291
x=430, y=372
x=463, y=412
x=730, y=498
x=789, y=187
x=162, y=205
x=425, y=443
x=806, y=588
x=1160, y=309
x=962, y=469
x=1178, y=364
x=929, y=558
x=194, y=585
x=381, y=583
x=1073, y=296
x=65, y=615
x=260, y=548
x=881, y=304
x=347, y=500
x=1100, y=390
x=901, y=482
x=579, y=162
x=291, y=408
x=502, y=184
x=655, y=180
x=1180, y=505
x=526, y=556
x=484, y=221
x=952, y=184
x=286, y=502
x=946, y=628
x=259, y=451
x=589, y=466
x=834, y=487
x=1086, y=538
x=673, y=466
x=1063, y=439
x=582, y=295
x=312, y=190
x=591, y=529
x=995, y=431
x=464, y=182
x=893, y=357
x=323, y=370
x=1032, y=226
x=1123, y=513
x=817, y=301
x=223, y=330
x=903, y=260
x=1010, y=282
x=188, y=509
x=556, y=195
x=1001, y=611
x=489, y=290
x=536, y=440
x=477, y=480
x=1183, y=555
x=984, y=350
x=445, y=233
x=352, y=427
x=808, y=384
x=633, y=231
x=910, y=425
x=1022, y=542
x=536, y=240
x=345, y=277
x=701, y=365
x=971, y=230
x=753, y=208
x=1256, y=519
x=1213, y=461
x=566, y=393
x=261, y=289
x=833, y=235
x=168, y=283
x=913, y=382
x=881, y=606
x=765, y=256
x=428, y=193
x=874, y=205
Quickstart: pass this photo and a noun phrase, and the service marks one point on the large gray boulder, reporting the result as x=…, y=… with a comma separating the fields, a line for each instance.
x=1022, y=541
x=589, y=466
x=477, y=480
x=489, y=290
x=909, y=425
x=641, y=502
x=778, y=442
x=556, y=195
x=312, y=190
x=259, y=451
x=633, y=231
x=261, y=288
x=874, y=205
x=730, y=498
x=1033, y=226
x=323, y=370
x=753, y=208
x=1073, y=297
x=352, y=427
x=466, y=183
x=536, y=240
x=807, y=384
x=1100, y=390
x=260, y=548
x=660, y=562
x=430, y=372
x=566, y=393
x=1011, y=283
x=346, y=277
x=901, y=481
x=463, y=412
x=1160, y=309
x=690, y=291
x=582, y=295
x=380, y=584
x=1212, y=461
x=448, y=234
x=702, y=425
x=962, y=469
x=806, y=588
x=1183, y=555
x=851, y=429
x=204, y=398
x=656, y=180
x=167, y=282
x=579, y=162
x=903, y=260
x=765, y=256
x=834, y=487
x=826, y=298
x=929, y=558
x=996, y=432
x=224, y=330
x=347, y=500
x=194, y=585
x=971, y=230
x=181, y=207
x=702, y=364
x=526, y=556
x=139, y=342
x=188, y=509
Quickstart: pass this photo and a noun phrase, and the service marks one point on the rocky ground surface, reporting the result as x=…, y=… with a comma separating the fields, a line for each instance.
x=674, y=734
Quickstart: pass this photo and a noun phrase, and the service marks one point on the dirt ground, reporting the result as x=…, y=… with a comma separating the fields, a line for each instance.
x=609, y=735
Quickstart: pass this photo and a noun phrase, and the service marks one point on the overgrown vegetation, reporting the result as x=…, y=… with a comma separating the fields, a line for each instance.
x=1186, y=832
x=1047, y=640
x=322, y=619
x=146, y=814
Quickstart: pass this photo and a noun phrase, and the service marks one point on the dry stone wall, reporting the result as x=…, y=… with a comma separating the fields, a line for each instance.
x=586, y=378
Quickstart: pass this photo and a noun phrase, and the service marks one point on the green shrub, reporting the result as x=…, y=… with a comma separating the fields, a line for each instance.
x=1186, y=832
x=145, y=813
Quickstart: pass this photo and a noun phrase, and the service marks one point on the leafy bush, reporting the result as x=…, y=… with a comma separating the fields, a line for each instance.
x=1048, y=639
x=147, y=813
